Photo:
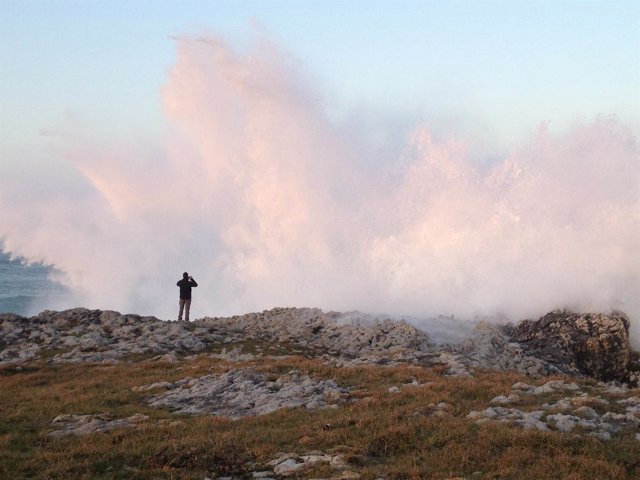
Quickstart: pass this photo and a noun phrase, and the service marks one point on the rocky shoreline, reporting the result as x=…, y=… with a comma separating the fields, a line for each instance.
x=593, y=345
x=593, y=395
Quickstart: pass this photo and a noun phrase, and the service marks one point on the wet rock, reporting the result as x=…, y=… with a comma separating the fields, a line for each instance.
x=590, y=344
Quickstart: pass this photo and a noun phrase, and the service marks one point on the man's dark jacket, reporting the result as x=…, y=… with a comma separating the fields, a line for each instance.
x=185, y=288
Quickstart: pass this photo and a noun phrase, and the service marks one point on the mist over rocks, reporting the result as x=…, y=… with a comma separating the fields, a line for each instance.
x=488, y=347
x=595, y=345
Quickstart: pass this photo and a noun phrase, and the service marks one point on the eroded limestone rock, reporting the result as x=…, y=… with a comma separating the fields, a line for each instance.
x=579, y=413
x=247, y=392
x=591, y=344
x=596, y=345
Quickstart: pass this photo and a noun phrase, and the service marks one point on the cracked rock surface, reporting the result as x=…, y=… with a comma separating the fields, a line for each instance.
x=595, y=345
x=246, y=392
x=591, y=344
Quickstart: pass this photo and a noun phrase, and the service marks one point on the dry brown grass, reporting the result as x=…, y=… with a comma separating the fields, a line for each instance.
x=382, y=434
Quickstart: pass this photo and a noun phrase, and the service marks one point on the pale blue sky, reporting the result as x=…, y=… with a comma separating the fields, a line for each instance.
x=495, y=67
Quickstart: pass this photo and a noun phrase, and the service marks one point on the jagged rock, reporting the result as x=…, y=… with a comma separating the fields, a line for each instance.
x=351, y=336
x=246, y=392
x=559, y=342
x=590, y=344
x=92, y=336
x=95, y=335
x=98, y=336
x=490, y=348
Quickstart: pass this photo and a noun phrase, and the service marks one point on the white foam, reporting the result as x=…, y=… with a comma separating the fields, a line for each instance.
x=267, y=203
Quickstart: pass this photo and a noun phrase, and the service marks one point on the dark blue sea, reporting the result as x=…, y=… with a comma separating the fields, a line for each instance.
x=25, y=289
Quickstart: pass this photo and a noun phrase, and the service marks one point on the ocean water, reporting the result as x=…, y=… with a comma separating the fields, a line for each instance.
x=25, y=289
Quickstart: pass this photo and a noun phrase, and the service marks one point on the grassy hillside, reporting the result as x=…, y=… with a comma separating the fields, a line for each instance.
x=416, y=432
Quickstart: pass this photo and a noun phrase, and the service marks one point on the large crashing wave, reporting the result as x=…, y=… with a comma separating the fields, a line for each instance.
x=268, y=203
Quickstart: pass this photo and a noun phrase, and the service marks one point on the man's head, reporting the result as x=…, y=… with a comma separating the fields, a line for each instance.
x=185, y=275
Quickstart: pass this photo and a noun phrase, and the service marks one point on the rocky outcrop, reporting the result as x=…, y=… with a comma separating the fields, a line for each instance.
x=590, y=344
x=347, y=335
x=596, y=345
x=581, y=411
x=245, y=392
x=96, y=336
x=490, y=349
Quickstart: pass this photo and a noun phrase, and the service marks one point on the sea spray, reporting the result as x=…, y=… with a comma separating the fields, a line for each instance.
x=267, y=202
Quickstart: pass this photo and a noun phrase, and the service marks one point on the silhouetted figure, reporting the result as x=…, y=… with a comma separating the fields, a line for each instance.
x=185, y=285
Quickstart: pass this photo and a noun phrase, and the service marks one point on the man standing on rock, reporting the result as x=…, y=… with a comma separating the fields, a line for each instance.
x=185, y=285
